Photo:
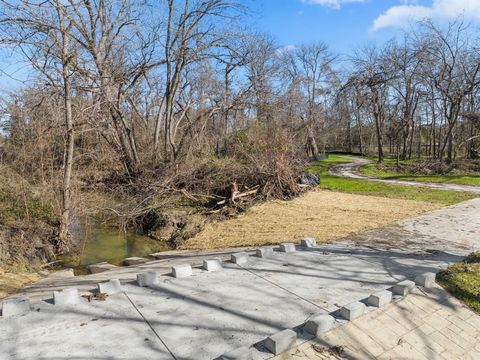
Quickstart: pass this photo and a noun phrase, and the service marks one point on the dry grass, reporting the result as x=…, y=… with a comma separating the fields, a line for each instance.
x=11, y=282
x=323, y=214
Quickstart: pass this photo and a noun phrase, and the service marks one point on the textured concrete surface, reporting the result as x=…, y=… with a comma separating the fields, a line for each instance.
x=427, y=324
x=111, y=329
x=210, y=313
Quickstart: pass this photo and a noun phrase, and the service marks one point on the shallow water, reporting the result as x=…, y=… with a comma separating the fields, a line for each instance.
x=98, y=243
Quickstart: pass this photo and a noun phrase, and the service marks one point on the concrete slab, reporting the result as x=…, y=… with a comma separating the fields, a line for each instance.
x=134, y=261
x=329, y=280
x=218, y=311
x=100, y=267
x=65, y=273
x=110, y=329
x=243, y=353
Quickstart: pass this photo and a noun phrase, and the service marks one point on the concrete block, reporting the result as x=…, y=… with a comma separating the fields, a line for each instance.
x=319, y=324
x=100, y=267
x=212, y=265
x=239, y=258
x=182, y=271
x=134, y=261
x=287, y=247
x=147, y=278
x=110, y=287
x=403, y=287
x=15, y=306
x=426, y=280
x=308, y=242
x=61, y=274
x=380, y=298
x=264, y=252
x=65, y=273
x=353, y=310
x=66, y=297
x=242, y=353
x=281, y=341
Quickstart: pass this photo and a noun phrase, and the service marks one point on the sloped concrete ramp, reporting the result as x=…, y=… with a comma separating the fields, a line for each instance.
x=209, y=313
x=206, y=314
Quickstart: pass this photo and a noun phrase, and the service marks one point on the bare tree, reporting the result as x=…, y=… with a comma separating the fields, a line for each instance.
x=310, y=67
x=453, y=67
x=192, y=33
x=371, y=74
x=43, y=34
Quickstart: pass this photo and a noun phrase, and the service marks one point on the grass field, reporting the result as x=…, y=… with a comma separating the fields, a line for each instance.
x=365, y=187
x=462, y=280
x=388, y=171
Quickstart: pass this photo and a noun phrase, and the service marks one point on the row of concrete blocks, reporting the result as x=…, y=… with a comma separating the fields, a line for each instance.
x=21, y=305
x=105, y=266
x=241, y=258
x=67, y=297
x=319, y=324
x=238, y=258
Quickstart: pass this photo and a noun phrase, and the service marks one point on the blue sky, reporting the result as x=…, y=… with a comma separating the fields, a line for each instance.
x=343, y=24
x=295, y=21
x=347, y=24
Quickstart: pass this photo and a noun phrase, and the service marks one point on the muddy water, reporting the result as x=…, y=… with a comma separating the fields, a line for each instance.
x=99, y=243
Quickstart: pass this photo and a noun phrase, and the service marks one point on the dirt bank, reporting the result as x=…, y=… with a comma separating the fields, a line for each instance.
x=12, y=281
x=323, y=214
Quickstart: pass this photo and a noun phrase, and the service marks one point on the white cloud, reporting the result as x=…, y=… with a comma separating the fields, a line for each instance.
x=336, y=4
x=285, y=49
x=402, y=15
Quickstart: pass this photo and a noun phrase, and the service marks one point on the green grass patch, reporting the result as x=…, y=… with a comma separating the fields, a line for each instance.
x=462, y=280
x=365, y=187
x=387, y=171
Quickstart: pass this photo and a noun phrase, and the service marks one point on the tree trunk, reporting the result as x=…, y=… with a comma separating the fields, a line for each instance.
x=312, y=148
x=64, y=234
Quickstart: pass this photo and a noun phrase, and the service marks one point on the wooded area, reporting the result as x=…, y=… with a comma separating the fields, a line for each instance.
x=148, y=100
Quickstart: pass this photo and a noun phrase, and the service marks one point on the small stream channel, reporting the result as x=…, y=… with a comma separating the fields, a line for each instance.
x=98, y=243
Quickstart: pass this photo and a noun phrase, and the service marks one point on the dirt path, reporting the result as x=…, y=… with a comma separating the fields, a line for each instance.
x=351, y=170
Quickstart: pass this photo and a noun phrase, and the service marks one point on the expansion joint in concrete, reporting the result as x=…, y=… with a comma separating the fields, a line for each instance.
x=150, y=326
x=284, y=289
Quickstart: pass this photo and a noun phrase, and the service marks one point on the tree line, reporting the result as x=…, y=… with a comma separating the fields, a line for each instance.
x=148, y=88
